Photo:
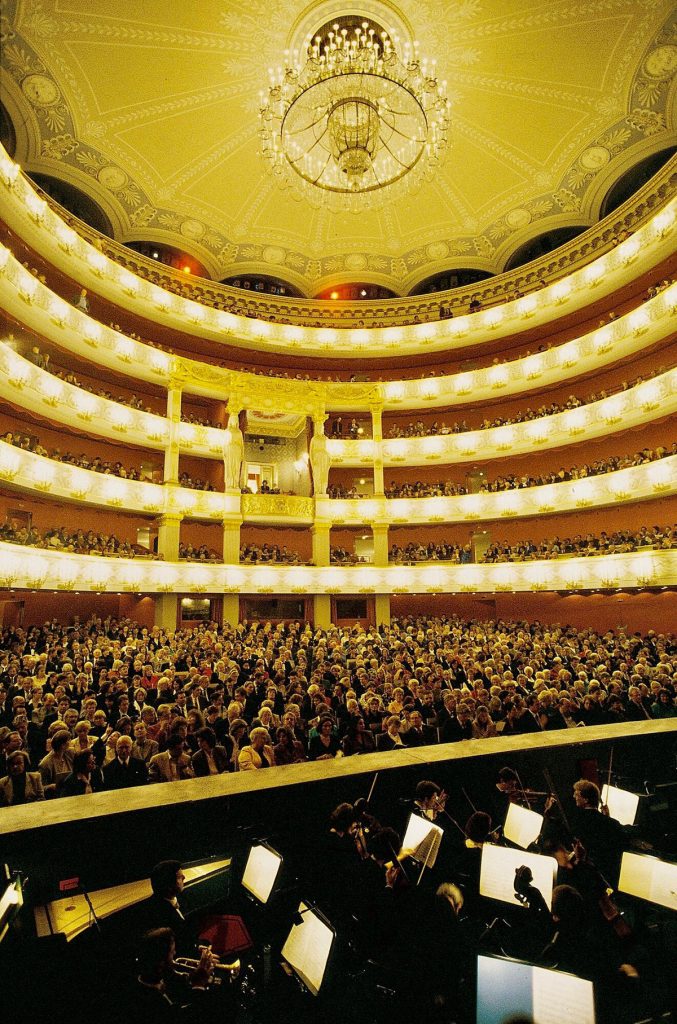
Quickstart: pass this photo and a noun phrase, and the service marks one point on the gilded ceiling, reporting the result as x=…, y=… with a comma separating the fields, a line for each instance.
x=152, y=109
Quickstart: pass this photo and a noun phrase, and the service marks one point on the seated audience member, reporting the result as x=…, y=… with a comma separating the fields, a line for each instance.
x=458, y=727
x=125, y=770
x=57, y=765
x=86, y=776
x=391, y=738
x=258, y=753
x=144, y=748
x=172, y=764
x=20, y=786
x=358, y=739
x=210, y=759
x=325, y=745
x=287, y=750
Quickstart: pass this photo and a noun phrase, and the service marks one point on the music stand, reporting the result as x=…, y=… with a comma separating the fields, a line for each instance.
x=497, y=873
x=308, y=946
x=622, y=804
x=649, y=878
x=261, y=871
x=510, y=989
x=522, y=825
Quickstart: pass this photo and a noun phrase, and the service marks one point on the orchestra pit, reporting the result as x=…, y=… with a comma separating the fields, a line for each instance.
x=338, y=492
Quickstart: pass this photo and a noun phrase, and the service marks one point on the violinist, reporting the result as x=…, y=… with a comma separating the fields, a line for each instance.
x=601, y=835
x=602, y=918
x=430, y=800
x=512, y=791
x=468, y=859
x=364, y=827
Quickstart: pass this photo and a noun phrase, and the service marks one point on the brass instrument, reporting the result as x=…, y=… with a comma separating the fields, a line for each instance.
x=186, y=966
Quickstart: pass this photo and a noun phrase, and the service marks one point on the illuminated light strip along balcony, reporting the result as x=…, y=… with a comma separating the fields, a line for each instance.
x=28, y=472
x=35, y=569
x=637, y=483
x=34, y=305
x=43, y=229
x=24, y=384
x=649, y=400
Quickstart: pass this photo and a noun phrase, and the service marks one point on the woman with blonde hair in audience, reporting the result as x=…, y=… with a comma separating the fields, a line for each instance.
x=266, y=719
x=258, y=753
x=483, y=726
x=81, y=739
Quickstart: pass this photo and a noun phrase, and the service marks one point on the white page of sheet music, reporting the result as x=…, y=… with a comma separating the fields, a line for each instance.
x=561, y=998
x=261, y=871
x=522, y=825
x=307, y=949
x=621, y=803
x=497, y=873
x=650, y=879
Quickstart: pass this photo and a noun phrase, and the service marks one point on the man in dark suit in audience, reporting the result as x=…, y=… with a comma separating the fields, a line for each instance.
x=124, y=770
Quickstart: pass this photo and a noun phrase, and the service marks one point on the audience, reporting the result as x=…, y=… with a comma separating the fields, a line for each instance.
x=319, y=694
x=77, y=542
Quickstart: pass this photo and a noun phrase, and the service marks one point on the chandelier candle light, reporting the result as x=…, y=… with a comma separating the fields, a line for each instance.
x=356, y=123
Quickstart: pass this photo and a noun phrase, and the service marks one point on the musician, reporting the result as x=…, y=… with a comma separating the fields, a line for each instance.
x=601, y=835
x=162, y=996
x=429, y=801
x=573, y=949
x=163, y=908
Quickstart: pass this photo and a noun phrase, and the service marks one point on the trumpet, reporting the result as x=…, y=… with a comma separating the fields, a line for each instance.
x=186, y=966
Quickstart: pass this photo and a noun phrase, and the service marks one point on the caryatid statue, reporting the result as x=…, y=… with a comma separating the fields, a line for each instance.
x=320, y=460
x=233, y=453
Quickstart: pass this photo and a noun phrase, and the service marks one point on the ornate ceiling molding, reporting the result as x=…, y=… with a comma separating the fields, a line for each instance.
x=53, y=98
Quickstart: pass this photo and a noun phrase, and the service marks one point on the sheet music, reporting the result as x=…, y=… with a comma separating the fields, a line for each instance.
x=561, y=998
x=497, y=873
x=650, y=879
x=261, y=871
x=422, y=840
x=621, y=803
x=307, y=949
x=522, y=825
x=510, y=990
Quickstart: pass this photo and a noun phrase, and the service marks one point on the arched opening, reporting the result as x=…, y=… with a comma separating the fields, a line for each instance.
x=634, y=179
x=75, y=201
x=448, y=279
x=541, y=245
x=355, y=291
x=263, y=283
x=170, y=256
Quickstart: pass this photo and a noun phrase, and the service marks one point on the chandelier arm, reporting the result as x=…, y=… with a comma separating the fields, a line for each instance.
x=394, y=155
x=410, y=138
x=307, y=127
x=308, y=151
x=315, y=180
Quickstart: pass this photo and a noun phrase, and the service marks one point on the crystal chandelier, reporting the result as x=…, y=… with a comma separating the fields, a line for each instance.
x=356, y=123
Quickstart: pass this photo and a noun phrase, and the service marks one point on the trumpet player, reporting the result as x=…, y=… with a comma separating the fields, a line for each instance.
x=163, y=994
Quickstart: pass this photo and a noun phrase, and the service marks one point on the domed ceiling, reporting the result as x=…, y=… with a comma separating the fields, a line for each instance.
x=151, y=108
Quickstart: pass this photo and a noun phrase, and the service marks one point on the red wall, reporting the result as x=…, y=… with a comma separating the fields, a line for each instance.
x=642, y=612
